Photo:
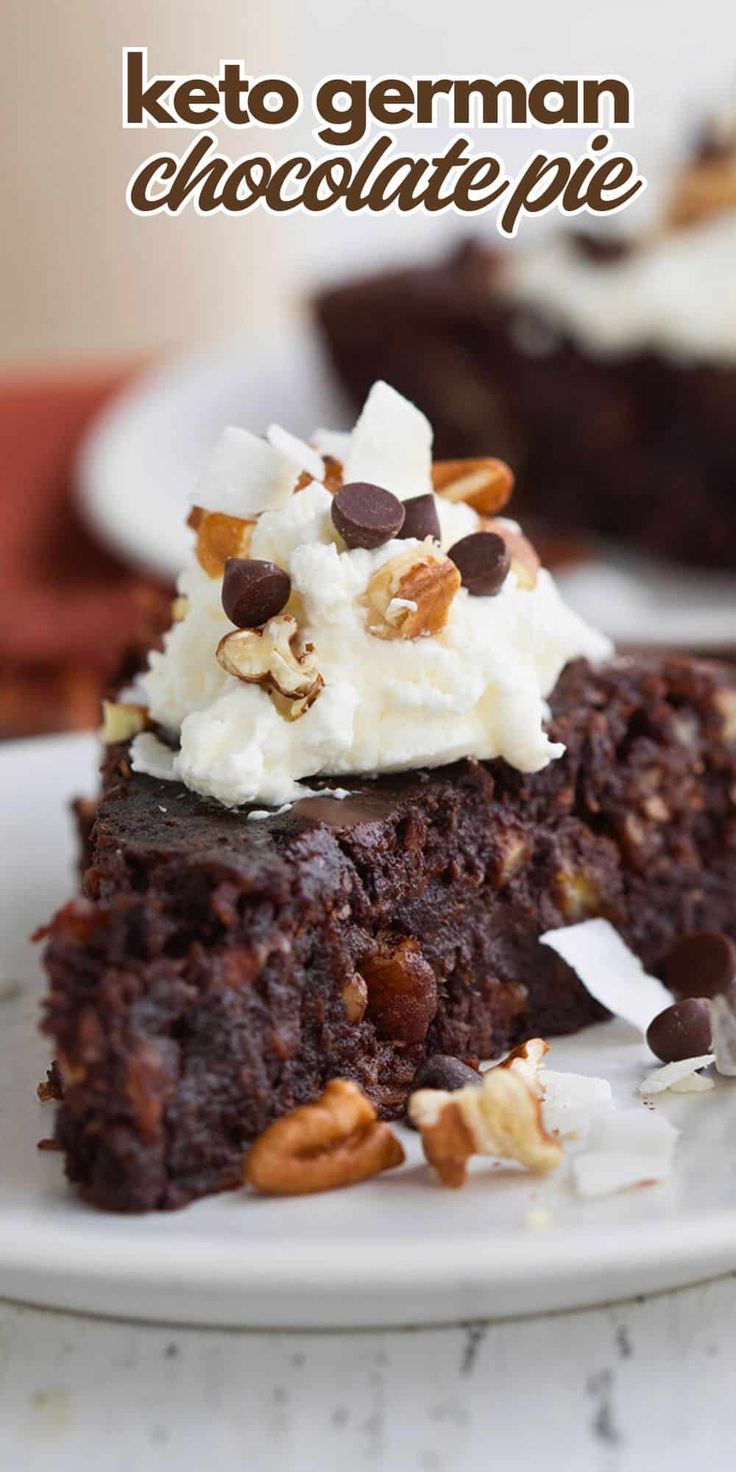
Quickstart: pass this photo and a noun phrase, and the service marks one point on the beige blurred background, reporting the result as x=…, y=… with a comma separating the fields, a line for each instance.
x=81, y=277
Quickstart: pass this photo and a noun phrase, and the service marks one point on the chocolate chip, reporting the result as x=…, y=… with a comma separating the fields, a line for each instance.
x=483, y=560
x=440, y=1071
x=702, y=965
x=253, y=591
x=714, y=145
x=604, y=250
x=684, y=1030
x=420, y=518
x=366, y=515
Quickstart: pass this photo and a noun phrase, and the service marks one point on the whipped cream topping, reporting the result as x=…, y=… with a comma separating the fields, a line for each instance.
x=675, y=293
x=476, y=688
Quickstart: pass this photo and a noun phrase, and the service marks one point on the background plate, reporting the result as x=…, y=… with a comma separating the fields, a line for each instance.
x=139, y=465
x=399, y=1250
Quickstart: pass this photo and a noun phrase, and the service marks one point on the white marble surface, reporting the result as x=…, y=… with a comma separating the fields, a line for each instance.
x=635, y=1387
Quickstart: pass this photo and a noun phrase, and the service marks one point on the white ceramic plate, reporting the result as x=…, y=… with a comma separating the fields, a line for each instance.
x=399, y=1250
x=140, y=462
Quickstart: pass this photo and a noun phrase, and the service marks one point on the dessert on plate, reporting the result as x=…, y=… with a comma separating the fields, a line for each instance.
x=376, y=758
x=603, y=368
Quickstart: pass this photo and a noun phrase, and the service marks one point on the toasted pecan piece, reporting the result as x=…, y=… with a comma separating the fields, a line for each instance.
x=334, y=1142
x=276, y=658
x=219, y=537
x=502, y=1118
x=411, y=595
x=486, y=485
x=121, y=721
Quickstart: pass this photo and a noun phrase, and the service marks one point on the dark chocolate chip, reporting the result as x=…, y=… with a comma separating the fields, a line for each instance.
x=483, y=560
x=714, y=145
x=420, y=518
x=440, y=1071
x=682, y=1031
x=603, y=250
x=702, y=965
x=253, y=591
x=366, y=515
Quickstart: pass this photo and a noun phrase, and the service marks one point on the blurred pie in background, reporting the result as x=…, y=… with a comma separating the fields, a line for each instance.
x=603, y=368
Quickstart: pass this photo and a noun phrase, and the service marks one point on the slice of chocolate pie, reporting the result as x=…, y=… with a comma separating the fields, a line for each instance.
x=376, y=758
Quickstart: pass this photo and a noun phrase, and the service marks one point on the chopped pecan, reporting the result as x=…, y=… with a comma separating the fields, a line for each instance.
x=486, y=485
x=121, y=721
x=411, y=595
x=513, y=851
x=331, y=480
x=725, y=703
x=219, y=537
x=355, y=998
x=402, y=991
x=335, y=1142
x=275, y=658
x=579, y=894
x=179, y=609
x=502, y=1118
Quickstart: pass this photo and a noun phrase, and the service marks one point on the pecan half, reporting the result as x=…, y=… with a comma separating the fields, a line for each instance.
x=275, y=658
x=411, y=595
x=486, y=485
x=120, y=722
x=219, y=537
x=502, y=1118
x=335, y=1142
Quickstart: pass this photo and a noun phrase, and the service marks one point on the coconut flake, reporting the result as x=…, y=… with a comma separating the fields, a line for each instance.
x=628, y=1148
x=724, y=1036
x=693, y=1083
x=674, y=1073
x=244, y=475
x=149, y=755
x=609, y=971
x=297, y=451
x=333, y=442
x=391, y=445
x=572, y=1101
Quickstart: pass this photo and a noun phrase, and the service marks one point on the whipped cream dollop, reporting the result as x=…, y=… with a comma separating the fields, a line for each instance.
x=477, y=687
x=675, y=293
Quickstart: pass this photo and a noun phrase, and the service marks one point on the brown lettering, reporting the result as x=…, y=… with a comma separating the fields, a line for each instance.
x=196, y=101
x=143, y=98
x=544, y=110
x=345, y=124
x=286, y=108
x=391, y=101
x=594, y=90
x=489, y=93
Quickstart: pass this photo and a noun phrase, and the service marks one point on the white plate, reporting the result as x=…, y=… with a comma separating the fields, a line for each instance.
x=398, y=1250
x=140, y=462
